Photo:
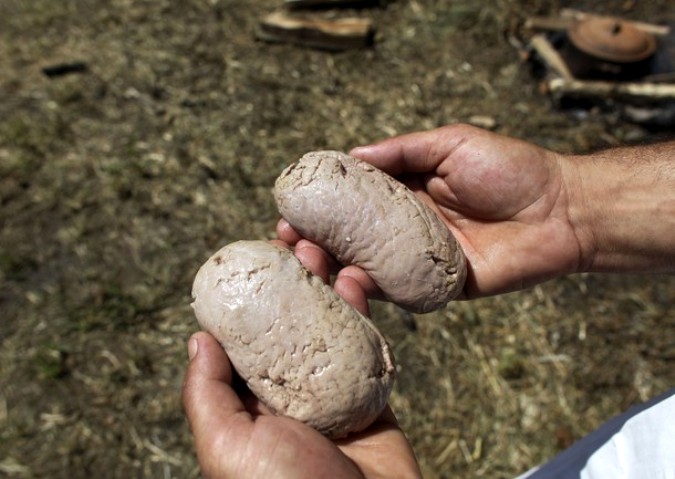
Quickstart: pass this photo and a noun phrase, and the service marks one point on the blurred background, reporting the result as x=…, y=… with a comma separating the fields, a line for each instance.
x=137, y=137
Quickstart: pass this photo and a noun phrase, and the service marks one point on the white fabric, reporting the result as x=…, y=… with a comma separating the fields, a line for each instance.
x=639, y=444
x=643, y=448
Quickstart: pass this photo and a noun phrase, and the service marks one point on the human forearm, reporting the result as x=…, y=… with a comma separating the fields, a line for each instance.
x=622, y=207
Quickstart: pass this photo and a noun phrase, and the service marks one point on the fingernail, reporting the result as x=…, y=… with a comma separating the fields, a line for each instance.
x=358, y=150
x=193, y=347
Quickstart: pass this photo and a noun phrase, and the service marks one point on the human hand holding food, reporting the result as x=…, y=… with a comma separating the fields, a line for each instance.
x=364, y=217
x=503, y=199
x=236, y=437
x=524, y=214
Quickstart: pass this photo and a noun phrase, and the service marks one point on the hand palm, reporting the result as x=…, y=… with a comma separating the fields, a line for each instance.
x=270, y=446
x=503, y=199
x=239, y=438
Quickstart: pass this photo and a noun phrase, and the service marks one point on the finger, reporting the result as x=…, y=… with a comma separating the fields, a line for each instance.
x=378, y=444
x=208, y=398
x=287, y=233
x=350, y=290
x=316, y=259
x=254, y=405
x=438, y=189
x=281, y=244
x=387, y=417
x=365, y=282
x=415, y=152
x=385, y=422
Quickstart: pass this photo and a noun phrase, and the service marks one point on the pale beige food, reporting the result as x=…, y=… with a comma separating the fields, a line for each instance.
x=302, y=350
x=363, y=216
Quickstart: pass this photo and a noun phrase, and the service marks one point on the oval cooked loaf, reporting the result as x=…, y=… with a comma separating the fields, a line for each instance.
x=302, y=350
x=363, y=216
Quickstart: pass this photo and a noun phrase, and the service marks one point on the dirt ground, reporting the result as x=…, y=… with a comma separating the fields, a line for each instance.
x=118, y=181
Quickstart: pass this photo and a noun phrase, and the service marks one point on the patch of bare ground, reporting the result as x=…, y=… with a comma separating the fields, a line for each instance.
x=116, y=182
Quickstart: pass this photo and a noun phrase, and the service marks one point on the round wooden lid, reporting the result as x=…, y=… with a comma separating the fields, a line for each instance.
x=612, y=39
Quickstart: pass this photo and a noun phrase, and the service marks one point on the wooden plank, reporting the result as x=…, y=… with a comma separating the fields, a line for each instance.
x=327, y=3
x=338, y=34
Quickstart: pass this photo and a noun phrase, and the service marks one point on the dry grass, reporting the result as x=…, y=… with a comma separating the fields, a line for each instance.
x=115, y=184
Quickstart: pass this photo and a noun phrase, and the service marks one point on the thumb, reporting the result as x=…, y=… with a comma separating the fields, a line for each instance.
x=210, y=403
x=418, y=152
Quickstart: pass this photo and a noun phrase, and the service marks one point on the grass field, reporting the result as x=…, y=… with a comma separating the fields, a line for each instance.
x=118, y=181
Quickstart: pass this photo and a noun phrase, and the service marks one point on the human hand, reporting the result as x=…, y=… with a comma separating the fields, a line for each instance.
x=237, y=437
x=505, y=200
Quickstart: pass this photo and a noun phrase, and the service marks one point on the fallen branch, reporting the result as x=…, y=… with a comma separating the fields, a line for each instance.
x=653, y=91
x=339, y=34
x=569, y=17
x=551, y=56
x=577, y=15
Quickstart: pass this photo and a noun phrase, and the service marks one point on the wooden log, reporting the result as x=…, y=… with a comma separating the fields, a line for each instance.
x=327, y=3
x=550, y=55
x=568, y=17
x=552, y=24
x=644, y=91
x=339, y=34
x=578, y=15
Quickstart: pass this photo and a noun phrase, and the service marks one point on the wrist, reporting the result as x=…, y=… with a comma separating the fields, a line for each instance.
x=621, y=206
x=580, y=214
